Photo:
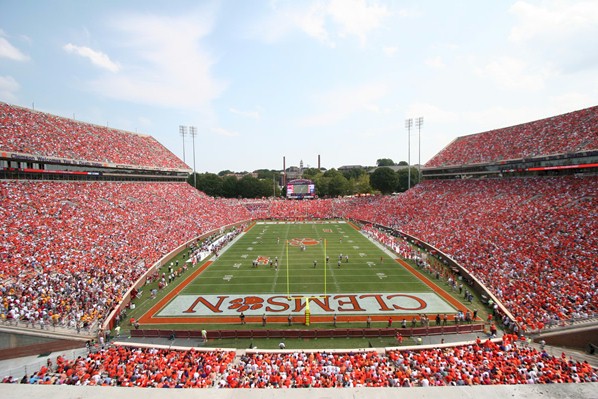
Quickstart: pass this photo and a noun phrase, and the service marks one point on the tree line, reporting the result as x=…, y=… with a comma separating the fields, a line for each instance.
x=329, y=183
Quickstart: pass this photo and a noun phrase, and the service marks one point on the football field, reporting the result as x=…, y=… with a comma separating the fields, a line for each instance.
x=277, y=269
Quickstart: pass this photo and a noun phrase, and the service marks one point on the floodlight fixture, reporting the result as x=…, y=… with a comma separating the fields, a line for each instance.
x=409, y=125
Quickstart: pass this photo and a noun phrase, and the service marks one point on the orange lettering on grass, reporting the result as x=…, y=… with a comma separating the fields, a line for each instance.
x=283, y=306
x=383, y=307
x=214, y=308
x=325, y=306
x=351, y=300
x=422, y=303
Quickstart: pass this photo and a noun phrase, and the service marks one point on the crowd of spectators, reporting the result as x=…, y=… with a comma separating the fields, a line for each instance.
x=510, y=361
x=70, y=250
x=532, y=241
x=37, y=133
x=567, y=133
x=280, y=209
x=134, y=367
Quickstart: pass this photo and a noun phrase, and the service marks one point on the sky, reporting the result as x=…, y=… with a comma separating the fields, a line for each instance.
x=267, y=79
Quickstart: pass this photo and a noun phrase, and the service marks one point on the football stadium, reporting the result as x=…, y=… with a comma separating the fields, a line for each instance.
x=136, y=279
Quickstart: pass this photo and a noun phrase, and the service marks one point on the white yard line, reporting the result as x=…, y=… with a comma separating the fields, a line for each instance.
x=330, y=270
x=284, y=242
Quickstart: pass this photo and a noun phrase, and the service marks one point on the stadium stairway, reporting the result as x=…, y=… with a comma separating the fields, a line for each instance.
x=576, y=355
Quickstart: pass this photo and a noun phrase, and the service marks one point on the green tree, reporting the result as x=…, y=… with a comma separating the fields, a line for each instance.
x=311, y=173
x=384, y=179
x=267, y=174
x=322, y=185
x=385, y=162
x=338, y=185
x=403, y=182
x=229, y=187
x=210, y=184
x=352, y=173
x=190, y=180
x=225, y=172
x=361, y=184
x=267, y=188
x=248, y=187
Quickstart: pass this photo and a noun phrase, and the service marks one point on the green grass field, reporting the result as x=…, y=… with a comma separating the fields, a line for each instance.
x=369, y=269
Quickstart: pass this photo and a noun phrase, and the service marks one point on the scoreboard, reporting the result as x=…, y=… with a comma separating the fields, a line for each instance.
x=300, y=189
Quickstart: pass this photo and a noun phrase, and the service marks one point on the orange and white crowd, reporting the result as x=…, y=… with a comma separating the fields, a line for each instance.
x=532, y=241
x=508, y=362
x=70, y=250
x=41, y=134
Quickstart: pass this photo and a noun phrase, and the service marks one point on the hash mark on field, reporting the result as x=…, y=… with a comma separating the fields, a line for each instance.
x=228, y=277
x=355, y=247
x=244, y=256
x=362, y=254
x=250, y=248
x=350, y=241
x=237, y=265
x=381, y=275
x=370, y=264
x=254, y=242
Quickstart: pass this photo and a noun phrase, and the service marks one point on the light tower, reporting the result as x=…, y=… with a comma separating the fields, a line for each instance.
x=193, y=133
x=409, y=125
x=183, y=132
x=419, y=122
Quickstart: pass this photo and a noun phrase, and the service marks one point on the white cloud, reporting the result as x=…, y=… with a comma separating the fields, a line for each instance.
x=553, y=18
x=514, y=74
x=431, y=112
x=8, y=87
x=342, y=103
x=570, y=101
x=313, y=22
x=97, y=58
x=144, y=122
x=390, y=50
x=435, y=62
x=562, y=33
x=372, y=108
x=357, y=17
x=165, y=62
x=9, y=51
x=247, y=114
x=325, y=21
x=224, y=132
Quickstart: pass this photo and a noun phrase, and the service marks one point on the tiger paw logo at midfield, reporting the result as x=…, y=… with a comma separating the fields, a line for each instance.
x=262, y=260
x=246, y=303
x=297, y=242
